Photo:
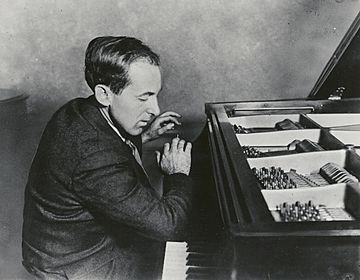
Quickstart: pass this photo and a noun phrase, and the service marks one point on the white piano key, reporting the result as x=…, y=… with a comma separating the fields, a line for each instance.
x=174, y=267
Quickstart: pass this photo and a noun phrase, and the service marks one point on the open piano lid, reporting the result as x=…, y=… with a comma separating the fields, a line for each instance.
x=341, y=76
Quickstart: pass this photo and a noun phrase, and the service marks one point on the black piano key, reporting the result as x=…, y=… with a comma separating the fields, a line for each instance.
x=203, y=248
x=199, y=260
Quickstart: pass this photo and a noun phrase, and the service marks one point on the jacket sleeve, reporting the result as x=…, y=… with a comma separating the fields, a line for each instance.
x=105, y=182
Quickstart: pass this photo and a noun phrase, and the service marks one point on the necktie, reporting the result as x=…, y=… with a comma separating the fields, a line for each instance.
x=135, y=152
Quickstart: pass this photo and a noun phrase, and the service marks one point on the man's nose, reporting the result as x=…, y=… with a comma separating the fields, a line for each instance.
x=154, y=107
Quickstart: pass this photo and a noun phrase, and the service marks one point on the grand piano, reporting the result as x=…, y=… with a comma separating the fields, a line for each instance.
x=279, y=192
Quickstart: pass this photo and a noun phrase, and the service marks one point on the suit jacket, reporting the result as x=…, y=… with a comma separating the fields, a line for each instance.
x=88, y=201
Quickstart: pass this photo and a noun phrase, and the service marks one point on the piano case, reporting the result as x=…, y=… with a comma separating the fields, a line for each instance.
x=287, y=177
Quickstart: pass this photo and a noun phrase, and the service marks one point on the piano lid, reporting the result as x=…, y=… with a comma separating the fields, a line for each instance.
x=341, y=76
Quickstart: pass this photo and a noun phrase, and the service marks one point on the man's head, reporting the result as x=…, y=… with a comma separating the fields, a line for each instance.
x=125, y=77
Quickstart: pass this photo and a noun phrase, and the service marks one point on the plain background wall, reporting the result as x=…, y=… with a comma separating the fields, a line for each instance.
x=210, y=50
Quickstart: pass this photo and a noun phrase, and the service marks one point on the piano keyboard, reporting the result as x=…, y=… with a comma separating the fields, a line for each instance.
x=197, y=261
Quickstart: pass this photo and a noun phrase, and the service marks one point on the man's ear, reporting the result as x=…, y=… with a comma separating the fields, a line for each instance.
x=103, y=95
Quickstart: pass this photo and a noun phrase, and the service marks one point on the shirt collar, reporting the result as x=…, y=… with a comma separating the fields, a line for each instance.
x=104, y=112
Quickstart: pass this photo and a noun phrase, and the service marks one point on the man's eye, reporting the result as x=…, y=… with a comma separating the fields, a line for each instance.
x=143, y=99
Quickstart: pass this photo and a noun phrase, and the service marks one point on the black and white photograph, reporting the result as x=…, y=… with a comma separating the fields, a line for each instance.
x=180, y=139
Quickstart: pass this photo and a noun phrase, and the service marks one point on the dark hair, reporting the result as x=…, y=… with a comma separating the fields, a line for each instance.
x=107, y=61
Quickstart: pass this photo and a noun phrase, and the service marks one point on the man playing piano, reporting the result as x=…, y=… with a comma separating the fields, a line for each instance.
x=90, y=211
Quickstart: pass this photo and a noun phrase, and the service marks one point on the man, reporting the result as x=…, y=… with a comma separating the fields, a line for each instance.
x=90, y=211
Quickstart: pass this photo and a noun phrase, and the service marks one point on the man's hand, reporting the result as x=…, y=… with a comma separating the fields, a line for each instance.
x=161, y=124
x=176, y=157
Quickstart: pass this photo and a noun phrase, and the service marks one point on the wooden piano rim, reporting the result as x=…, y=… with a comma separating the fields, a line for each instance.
x=288, y=105
x=298, y=229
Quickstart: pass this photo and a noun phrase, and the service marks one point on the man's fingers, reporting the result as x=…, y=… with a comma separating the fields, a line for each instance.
x=188, y=148
x=169, y=126
x=158, y=157
x=181, y=145
x=170, y=113
x=164, y=120
x=174, y=144
x=166, y=148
